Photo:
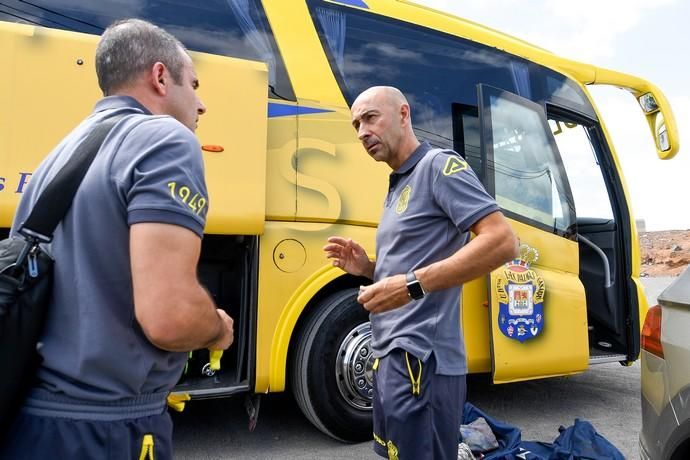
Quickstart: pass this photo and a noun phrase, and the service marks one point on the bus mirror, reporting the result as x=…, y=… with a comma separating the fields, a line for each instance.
x=661, y=123
x=662, y=141
x=651, y=109
x=648, y=103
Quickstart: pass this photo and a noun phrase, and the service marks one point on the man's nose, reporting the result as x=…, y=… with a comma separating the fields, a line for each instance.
x=362, y=133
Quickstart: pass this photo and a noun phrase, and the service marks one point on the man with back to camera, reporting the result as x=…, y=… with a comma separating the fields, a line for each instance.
x=126, y=303
x=423, y=256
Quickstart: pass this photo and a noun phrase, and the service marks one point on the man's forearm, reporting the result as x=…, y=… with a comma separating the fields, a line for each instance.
x=461, y=267
x=218, y=334
x=203, y=325
x=192, y=323
x=487, y=251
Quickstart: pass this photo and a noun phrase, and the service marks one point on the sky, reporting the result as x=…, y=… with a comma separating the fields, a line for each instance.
x=639, y=37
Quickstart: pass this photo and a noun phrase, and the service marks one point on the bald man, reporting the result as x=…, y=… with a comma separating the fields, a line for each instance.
x=423, y=256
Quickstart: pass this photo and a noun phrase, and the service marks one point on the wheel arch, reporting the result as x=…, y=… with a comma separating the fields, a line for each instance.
x=678, y=443
x=306, y=297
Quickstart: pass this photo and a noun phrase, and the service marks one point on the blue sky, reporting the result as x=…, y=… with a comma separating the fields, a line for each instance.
x=639, y=37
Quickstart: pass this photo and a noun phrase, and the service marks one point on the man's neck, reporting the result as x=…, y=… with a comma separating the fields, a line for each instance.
x=406, y=150
x=143, y=97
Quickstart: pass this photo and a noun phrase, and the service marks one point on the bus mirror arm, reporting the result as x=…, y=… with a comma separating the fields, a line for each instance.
x=654, y=105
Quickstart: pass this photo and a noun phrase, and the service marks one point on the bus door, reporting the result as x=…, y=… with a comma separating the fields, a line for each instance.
x=603, y=234
x=538, y=310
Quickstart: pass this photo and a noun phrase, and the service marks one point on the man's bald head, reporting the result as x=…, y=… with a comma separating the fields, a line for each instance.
x=381, y=116
x=389, y=95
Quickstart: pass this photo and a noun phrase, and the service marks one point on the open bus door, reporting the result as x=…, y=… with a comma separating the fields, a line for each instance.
x=538, y=309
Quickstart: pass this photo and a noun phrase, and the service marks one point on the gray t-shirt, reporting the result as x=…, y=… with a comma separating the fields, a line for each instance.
x=149, y=169
x=433, y=200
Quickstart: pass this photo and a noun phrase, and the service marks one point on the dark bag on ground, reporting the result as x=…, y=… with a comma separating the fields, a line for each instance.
x=578, y=441
x=26, y=278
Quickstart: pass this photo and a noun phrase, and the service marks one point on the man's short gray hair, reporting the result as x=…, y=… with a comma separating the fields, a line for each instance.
x=129, y=47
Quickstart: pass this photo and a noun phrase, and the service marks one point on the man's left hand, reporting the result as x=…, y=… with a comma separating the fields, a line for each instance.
x=386, y=294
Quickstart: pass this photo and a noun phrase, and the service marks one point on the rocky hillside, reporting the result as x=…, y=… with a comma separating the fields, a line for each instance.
x=665, y=253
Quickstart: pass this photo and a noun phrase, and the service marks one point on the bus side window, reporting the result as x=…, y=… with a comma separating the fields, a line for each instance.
x=228, y=28
x=433, y=69
x=587, y=181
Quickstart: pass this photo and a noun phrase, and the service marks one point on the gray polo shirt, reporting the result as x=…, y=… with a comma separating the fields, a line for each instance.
x=149, y=169
x=433, y=200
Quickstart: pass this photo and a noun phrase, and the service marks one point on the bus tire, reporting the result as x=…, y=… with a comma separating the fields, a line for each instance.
x=331, y=368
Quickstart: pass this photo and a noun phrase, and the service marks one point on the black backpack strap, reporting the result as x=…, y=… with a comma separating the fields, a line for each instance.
x=56, y=198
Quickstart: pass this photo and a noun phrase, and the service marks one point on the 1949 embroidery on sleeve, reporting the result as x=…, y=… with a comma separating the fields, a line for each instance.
x=196, y=202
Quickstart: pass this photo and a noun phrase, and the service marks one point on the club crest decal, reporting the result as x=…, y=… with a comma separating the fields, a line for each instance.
x=403, y=199
x=520, y=293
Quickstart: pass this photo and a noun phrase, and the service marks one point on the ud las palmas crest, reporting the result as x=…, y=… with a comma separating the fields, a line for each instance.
x=520, y=293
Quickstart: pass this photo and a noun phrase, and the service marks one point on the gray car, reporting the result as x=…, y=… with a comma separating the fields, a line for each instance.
x=665, y=380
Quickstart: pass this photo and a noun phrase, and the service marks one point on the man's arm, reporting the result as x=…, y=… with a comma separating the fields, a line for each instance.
x=494, y=244
x=173, y=309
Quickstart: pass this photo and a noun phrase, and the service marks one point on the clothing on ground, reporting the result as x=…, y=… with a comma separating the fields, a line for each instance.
x=579, y=440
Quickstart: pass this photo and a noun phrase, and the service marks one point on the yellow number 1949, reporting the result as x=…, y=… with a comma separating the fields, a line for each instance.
x=196, y=202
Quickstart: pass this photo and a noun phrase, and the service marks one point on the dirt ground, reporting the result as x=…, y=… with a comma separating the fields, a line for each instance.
x=665, y=253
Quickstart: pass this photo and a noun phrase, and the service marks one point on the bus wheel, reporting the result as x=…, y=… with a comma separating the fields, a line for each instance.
x=332, y=368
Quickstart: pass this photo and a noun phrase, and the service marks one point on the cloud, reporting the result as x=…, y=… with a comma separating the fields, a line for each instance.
x=393, y=52
x=591, y=30
x=586, y=30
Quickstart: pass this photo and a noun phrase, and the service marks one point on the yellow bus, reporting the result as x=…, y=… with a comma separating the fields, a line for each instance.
x=285, y=171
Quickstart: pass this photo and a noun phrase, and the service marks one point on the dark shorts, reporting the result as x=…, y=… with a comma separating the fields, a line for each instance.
x=33, y=437
x=416, y=421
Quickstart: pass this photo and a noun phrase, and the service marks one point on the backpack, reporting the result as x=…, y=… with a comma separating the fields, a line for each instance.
x=26, y=277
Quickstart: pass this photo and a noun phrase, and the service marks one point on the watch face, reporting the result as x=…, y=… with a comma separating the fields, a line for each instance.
x=415, y=290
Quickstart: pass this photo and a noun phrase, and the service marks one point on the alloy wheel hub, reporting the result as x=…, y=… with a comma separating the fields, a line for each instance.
x=354, y=367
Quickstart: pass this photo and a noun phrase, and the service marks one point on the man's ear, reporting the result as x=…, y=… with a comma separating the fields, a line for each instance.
x=159, y=78
x=405, y=113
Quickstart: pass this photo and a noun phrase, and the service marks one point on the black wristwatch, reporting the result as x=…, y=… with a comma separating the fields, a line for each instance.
x=414, y=287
